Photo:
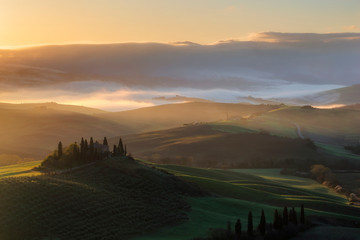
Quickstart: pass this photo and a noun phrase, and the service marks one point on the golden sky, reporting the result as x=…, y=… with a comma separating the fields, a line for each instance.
x=34, y=22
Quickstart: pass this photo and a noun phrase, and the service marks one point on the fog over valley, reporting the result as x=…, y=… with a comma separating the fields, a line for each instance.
x=130, y=75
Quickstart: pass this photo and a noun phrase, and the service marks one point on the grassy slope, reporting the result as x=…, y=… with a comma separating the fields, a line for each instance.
x=138, y=192
x=174, y=115
x=338, y=151
x=215, y=145
x=334, y=126
x=34, y=132
x=242, y=190
x=37, y=128
x=19, y=170
x=52, y=105
x=112, y=199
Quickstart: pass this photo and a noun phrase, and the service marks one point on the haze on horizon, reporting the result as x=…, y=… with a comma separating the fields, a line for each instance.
x=130, y=53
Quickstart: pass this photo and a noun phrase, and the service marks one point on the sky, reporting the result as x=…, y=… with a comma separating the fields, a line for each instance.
x=36, y=22
x=129, y=53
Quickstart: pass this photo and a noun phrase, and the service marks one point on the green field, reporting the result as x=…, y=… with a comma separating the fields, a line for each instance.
x=238, y=191
x=19, y=170
x=149, y=199
x=111, y=199
x=338, y=151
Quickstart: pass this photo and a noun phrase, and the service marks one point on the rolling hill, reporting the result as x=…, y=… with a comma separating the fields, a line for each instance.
x=346, y=95
x=175, y=115
x=333, y=126
x=112, y=199
x=52, y=105
x=207, y=145
x=31, y=130
x=239, y=191
x=121, y=199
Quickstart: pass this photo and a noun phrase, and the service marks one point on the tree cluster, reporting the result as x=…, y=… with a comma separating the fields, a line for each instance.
x=77, y=154
x=120, y=149
x=284, y=226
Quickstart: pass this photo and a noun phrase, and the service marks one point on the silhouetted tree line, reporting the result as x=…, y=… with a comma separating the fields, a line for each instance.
x=86, y=152
x=120, y=149
x=284, y=226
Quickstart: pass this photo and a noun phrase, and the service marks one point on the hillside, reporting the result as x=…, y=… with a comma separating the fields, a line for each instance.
x=241, y=190
x=52, y=105
x=346, y=95
x=31, y=130
x=333, y=126
x=120, y=199
x=175, y=115
x=112, y=199
x=208, y=146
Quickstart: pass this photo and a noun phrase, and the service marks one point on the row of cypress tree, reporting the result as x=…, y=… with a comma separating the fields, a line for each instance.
x=280, y=220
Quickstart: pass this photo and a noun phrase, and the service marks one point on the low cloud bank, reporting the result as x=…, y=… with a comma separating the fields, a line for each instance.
x=267, y=65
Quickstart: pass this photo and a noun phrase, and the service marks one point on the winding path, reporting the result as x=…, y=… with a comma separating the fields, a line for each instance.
x=298, y=130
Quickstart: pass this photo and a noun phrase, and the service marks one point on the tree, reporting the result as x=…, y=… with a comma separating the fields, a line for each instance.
x=285, y=216
x=121, y=148
x=238, y=229
x=280, y=220
x=228, y=231
x=114, y=150
x=86, y=146
x=92, y=149
x=262, y=225
x=250, y=224
x=276, y=219
x=76, y=152
x=105, y=142
x=82, y=148
x=125, y=151
x=60, y=152
x=293, y=217
x=302, y=214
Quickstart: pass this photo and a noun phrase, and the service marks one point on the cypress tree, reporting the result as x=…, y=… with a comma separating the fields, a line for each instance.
x=302, y=214
x=60, y=153
x=295, y=217
x=105, y=142
x=262, y=225
x=125, y=151
x=91, y=149
x=291, y=216
x=276, y=219
x=238, y=229
x=285, y=216
x=121, y=147
x=82, y=147
x=228, y=231
x=280, y=221
x=250, y=224
x=86, y=146
x=115, y=150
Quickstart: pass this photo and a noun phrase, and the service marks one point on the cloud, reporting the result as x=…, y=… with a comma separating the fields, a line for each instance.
x=351, y=27
x=277, y=37
x=116, y=97
x=271, y=63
